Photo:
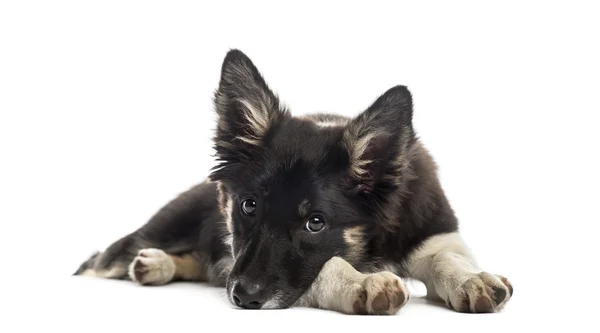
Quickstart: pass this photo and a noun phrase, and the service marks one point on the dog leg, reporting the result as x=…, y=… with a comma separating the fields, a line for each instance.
x=451, y=274
x=155, y=267
x=340, y=287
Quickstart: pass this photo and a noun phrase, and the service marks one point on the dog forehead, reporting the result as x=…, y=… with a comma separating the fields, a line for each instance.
x=292, y=186
x=304, y=140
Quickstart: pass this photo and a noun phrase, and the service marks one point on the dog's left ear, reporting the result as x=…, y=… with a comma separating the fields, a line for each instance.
x=377, y=139
x=246, y=109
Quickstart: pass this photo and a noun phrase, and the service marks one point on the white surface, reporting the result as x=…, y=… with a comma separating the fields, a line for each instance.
x=92, y=305
x=106, y=114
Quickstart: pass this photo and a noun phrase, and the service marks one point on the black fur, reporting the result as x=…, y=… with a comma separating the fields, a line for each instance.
x=369, y=175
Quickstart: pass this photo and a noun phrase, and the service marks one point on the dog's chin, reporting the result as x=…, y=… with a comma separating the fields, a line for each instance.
x=274, y=304
x=283, y=300
x=279, y=302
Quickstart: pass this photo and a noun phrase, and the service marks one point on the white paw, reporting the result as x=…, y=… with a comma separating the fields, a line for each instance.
x=482, y=293
x=381, y=293
x=152, y=267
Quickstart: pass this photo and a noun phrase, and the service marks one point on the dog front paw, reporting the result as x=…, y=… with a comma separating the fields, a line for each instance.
x=152, y=267
x=380, y=293
x=482, y=293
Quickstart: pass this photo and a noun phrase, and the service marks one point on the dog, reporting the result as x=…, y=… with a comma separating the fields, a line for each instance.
x=318, y=210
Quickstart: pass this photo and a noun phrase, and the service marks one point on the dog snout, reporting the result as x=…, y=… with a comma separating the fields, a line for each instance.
x=249, y=296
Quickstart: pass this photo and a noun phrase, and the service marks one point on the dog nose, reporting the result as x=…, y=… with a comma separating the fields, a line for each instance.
x=248, y=298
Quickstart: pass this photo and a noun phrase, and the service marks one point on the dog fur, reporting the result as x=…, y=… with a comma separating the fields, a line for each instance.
x=321, y=211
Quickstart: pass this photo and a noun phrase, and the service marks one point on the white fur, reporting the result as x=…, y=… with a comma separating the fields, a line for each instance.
x=274, y=302
x=159, y=267
x=250, y=288
x=450, y=272
x=388, y=267
x=220, y=270
x=443, y=263
x=228, y=240
x=233, y=283
x=330, y=123
x=112, y=273
x=339, y=285
x=357, y=146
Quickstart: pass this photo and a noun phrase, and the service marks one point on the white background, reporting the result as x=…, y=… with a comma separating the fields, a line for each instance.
x=106, y=114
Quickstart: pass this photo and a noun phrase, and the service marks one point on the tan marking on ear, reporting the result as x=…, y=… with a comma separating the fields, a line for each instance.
x=304, y=207
x=354, y=239
x=258, y=120
x=357, y=147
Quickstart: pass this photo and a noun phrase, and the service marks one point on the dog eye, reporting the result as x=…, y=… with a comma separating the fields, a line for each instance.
x=315, y=224
x=249, y=206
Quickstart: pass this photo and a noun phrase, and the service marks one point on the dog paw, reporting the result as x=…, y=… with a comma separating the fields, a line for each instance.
x=152, y=267
x=381, y=293
x=482, y=293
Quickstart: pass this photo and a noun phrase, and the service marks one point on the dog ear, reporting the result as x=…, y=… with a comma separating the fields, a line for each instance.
x=246, y=109
x=378, y=138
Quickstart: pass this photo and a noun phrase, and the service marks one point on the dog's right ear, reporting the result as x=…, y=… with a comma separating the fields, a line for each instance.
x=246, y=109
x=378, y=139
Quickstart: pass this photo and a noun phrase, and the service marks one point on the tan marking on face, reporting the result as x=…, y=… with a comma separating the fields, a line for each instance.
x=221, y=197
x=225, y=206
x=304, y=207
x=227, y=213
x=228, y=240
x=354, y=239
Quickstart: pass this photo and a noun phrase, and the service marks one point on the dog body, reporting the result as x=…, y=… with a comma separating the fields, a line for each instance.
x=320, y=210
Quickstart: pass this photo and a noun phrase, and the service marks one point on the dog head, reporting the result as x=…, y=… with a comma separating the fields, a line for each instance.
x=296, y=191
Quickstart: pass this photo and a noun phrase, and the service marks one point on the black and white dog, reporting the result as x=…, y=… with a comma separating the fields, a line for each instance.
x=315, y=211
